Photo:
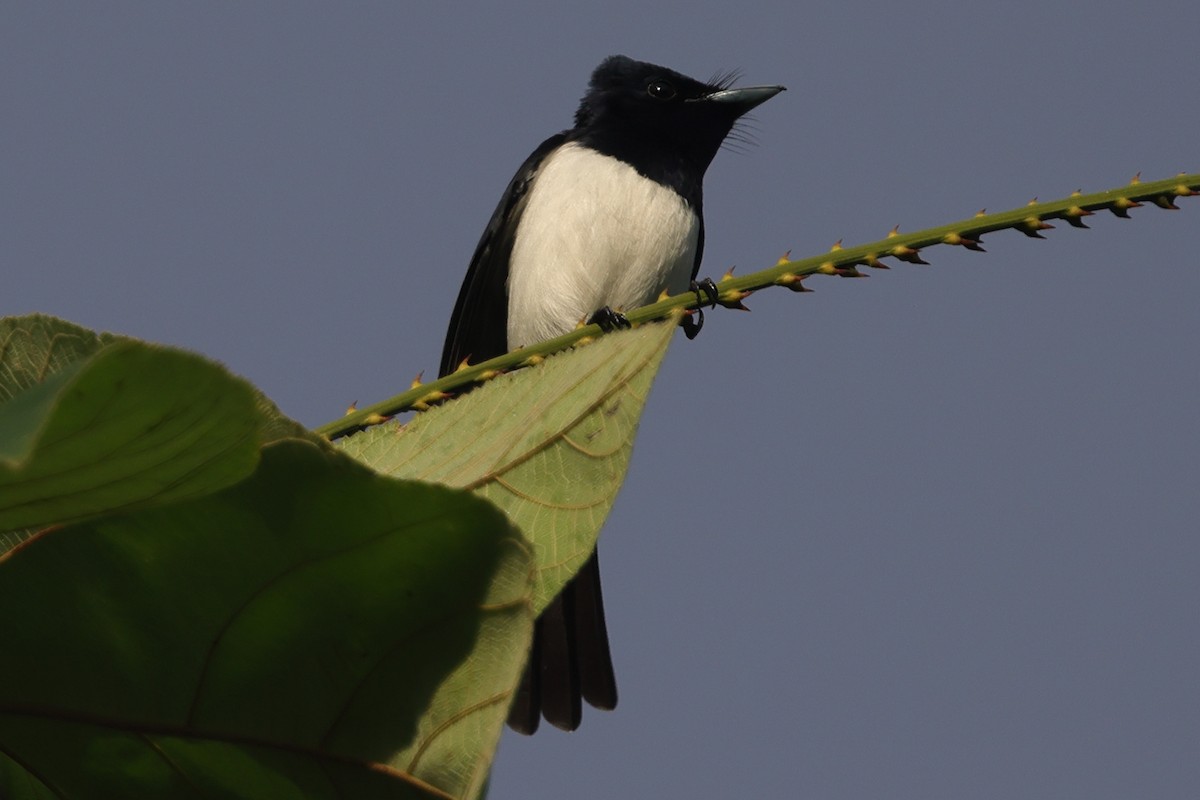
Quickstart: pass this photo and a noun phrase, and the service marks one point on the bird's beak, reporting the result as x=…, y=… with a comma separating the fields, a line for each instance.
x=743, y=99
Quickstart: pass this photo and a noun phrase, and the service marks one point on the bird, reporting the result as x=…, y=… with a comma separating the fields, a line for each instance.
x=600, y=218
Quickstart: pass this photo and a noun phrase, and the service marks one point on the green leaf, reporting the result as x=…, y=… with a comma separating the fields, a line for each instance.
x=89, y=427
x=550, y=444
x=34, y=347
x=315, y=631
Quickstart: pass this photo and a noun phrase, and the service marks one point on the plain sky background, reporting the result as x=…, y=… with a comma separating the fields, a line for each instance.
x=928, y=535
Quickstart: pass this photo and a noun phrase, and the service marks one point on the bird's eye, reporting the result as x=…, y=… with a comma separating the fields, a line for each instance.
x=660, y=90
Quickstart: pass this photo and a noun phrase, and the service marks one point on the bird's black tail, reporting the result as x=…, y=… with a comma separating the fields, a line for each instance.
x=570, y=659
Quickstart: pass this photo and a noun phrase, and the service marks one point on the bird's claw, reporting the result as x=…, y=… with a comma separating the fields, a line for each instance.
x=708, y=288
x=691, y=328
x=609, y=320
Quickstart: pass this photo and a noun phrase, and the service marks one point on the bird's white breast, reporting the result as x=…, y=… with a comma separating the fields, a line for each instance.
x=594, y=233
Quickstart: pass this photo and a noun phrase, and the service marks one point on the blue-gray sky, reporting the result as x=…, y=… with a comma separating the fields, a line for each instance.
x=932, y=534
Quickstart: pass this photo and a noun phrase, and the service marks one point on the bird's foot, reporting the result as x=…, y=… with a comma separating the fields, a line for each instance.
x=608, y=320
x=691, y=328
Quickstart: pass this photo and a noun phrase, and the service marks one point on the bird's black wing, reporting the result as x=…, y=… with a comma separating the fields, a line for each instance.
x=479, y=325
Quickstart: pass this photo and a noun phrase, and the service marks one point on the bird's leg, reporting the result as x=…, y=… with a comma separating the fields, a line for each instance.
x=608, y=320
x=692, y=328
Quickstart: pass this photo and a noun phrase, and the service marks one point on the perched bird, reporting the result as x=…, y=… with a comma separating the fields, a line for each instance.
x=601, y=217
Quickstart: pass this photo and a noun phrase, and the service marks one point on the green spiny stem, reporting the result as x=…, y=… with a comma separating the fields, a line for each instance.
x=1028, y=219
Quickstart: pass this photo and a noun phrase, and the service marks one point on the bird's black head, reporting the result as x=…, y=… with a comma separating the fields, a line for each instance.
x=639, y=111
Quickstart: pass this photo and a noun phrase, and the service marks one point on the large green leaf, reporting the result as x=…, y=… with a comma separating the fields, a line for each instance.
x=550, y=445
x=34, y=347
x=314, y=631
x=91, y=424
